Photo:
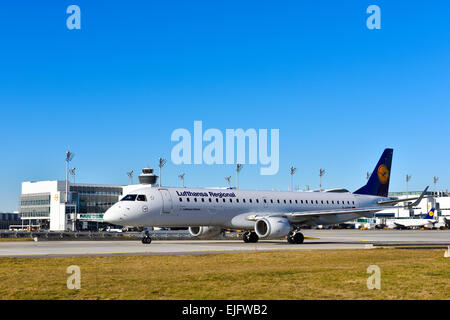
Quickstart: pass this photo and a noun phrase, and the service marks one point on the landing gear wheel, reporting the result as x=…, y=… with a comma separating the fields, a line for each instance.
x=295, y=238
x=290, y=238
x=298, y=238
x=146, y=240
x=250, y=237
x=253, y=237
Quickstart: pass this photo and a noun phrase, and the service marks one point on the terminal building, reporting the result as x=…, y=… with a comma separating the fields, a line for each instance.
x=43, y=204
x=8, y=219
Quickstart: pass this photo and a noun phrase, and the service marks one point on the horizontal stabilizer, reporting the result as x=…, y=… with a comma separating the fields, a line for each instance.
x=396, y=201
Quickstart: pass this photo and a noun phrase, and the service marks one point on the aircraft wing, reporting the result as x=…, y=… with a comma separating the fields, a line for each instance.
x=304, y=215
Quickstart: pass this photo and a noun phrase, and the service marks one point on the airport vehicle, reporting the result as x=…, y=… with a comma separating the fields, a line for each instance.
x=263, y=214
x=428, y=222
x=111, y=229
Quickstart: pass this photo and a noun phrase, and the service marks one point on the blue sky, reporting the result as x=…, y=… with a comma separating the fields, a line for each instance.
x=116, y=89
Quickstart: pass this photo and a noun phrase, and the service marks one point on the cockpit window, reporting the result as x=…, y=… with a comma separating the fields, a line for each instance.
x=129, y=197
x=141, y=197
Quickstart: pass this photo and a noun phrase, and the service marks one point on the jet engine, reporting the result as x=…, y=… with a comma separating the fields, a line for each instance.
x=272, y=228
x=205, y=232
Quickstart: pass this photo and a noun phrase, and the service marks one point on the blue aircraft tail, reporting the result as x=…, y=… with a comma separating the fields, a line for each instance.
x=430, y=214
x=378, y=184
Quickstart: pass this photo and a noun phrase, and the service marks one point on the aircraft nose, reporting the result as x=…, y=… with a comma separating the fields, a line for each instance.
x=112, y=215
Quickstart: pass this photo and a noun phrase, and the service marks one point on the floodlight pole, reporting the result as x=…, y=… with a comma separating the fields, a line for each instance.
x=130, y=174
x=321, y=173
x=435, y=180
x=162, y=162
x=69, y=157
x=229, y=181
x=73, y=174
x=293, y=170
x=181, y=176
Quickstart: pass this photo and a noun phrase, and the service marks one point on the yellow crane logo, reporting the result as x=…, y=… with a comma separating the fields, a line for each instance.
x=383, y=174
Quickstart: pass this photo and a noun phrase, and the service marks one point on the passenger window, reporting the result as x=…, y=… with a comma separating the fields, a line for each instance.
x=243, y=200
x=296, y=201
x=284, y=200
x=231, y=200
x=301, y=201
x=217, y=200
x=195, y=199
x=290, y=201
x=237, y=200
x=210, y=200
x=250, y=200
x=278, y=200
x=188, y=199
x=181, y=200
x=223, y=199
x=257, y=200
x=271, y=200
x=203, y=199
x=265, y=201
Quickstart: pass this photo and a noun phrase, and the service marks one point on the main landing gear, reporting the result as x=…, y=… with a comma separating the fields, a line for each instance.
x=146, y=239
x=250, y=237
x=295, y=237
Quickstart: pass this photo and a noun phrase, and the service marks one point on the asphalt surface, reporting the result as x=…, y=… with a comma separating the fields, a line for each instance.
x=315, y=240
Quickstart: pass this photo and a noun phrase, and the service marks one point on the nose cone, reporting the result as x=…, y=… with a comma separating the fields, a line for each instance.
x=113, y=216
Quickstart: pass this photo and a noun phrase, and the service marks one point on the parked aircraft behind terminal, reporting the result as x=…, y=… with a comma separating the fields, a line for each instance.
x=263, y=214
x=428, y=222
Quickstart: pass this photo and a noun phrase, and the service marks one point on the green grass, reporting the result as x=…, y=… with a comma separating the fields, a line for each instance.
x=15, y=239
x=340, y=274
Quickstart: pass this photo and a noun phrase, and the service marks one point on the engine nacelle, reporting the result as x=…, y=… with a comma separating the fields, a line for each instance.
x=205, y=232
x=272, y=228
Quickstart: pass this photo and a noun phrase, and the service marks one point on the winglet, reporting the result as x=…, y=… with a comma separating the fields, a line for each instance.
x=417, y=202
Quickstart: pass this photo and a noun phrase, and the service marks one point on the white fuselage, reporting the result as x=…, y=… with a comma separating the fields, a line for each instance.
x=230, y=208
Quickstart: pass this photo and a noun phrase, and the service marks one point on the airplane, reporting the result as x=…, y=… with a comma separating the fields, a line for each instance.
x=262, y=214
x=428, y=222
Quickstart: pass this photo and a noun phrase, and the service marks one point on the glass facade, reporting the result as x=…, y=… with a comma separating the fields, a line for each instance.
x=35, y=205
x=7, y=219
x=94, y=199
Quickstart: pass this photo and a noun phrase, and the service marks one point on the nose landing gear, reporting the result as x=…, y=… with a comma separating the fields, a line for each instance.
x=146, y=239
x=250, y=237
x=295, y=237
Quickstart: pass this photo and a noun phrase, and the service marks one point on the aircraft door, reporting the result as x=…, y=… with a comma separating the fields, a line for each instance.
x=167, y=201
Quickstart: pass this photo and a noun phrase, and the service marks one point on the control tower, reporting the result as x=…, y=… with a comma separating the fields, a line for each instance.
x=148, y=177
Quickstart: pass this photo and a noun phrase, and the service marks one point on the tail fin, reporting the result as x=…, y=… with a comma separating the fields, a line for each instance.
x=430, y=214
x=378, y=184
